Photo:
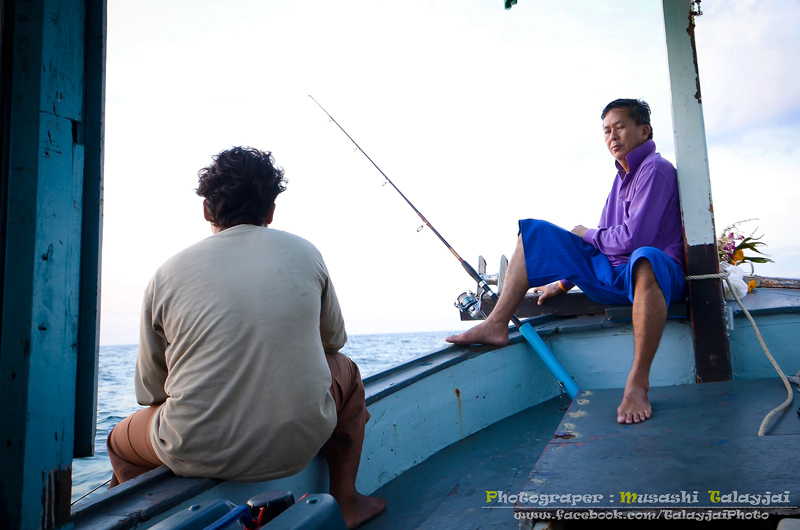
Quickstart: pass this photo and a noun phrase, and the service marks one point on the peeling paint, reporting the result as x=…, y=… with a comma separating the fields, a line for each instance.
x=56, y=495
x=582, y=401
x=695, y=12
x=577, y=414
x=47, y=255
x=460, y=418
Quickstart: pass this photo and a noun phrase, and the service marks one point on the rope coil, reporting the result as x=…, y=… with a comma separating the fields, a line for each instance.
x=783, y=406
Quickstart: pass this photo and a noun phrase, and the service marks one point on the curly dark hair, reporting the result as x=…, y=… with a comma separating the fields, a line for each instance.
x=240, y=186
x=638, y=110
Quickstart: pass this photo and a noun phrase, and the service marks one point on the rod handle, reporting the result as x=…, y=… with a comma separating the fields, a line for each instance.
x=549, y=359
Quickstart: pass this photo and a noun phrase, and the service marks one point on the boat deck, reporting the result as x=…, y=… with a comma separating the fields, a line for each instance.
x=701, y=438
x=439, y=494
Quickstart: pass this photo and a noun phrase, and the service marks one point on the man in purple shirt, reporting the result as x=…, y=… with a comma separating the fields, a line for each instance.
x=634, y=256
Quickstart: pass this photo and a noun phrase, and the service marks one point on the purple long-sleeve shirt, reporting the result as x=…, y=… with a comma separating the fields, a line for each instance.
x=642, y=210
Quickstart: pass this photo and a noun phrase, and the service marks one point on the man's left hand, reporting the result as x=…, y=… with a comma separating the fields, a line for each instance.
x=579, y=230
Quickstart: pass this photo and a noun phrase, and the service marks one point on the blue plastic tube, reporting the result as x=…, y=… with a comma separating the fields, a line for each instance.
x=549, y=359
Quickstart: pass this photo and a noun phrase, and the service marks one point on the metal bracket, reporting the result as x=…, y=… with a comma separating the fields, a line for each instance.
x=729, y=316
x=493, y=279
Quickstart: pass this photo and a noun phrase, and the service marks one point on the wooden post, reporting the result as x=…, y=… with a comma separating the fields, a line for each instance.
x=712, y=354
x=92, y=229
x=52, y=84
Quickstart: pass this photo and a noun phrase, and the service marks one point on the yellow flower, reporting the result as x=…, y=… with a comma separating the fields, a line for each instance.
x=738, y=256
x=750, y=286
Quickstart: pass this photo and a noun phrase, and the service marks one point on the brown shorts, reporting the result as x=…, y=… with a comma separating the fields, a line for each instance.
x=129, y=447
x=348, y=392
x=131, y=452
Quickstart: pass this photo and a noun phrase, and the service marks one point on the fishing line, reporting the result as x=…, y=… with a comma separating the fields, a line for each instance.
x=526, y=329
x=97, y=488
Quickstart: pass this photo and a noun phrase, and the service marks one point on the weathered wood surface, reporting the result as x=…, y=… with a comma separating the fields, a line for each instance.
x=52, y=76
x=701, y=438
x=570, y=305
x=711, y=347
x=712, y=354
x=774, y=283
x=454, y=484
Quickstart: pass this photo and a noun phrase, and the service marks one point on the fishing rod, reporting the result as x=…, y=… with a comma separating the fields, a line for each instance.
x=527, y=331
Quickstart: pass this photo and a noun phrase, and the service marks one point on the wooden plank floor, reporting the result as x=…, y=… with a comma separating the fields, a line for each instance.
x=701, y=438
x=448, y=490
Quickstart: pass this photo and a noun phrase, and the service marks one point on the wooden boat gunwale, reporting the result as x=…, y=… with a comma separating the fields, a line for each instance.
x=159, y=493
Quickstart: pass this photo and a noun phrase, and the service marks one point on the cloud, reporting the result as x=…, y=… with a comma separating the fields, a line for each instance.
x=749, y=66
x=481, y=116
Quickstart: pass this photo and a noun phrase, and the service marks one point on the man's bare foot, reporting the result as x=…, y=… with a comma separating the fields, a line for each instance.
x=361, y=509
x=635, y=406
x=487, y=332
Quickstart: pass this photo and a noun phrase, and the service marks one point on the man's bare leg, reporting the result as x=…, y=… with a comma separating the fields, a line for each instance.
x=343, y=454
x=494, y=330
x=649, y=317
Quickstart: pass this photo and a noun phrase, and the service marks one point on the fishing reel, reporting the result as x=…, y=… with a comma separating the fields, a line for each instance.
x=468, y=303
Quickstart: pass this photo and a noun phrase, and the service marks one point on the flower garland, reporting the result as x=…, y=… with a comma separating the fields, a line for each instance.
x=732, y=244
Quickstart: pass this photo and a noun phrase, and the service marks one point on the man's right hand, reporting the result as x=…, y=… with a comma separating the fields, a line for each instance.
x=548, y=291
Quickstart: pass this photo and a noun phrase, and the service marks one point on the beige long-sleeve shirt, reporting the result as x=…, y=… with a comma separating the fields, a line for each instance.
x=232, y=336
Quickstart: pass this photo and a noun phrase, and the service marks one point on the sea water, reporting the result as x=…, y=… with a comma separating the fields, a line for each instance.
x=116, y=399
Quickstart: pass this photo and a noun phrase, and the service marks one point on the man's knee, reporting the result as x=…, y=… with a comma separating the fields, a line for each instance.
x=645, y=282
x=347, y=388
x=643, y=273
x=343, y=369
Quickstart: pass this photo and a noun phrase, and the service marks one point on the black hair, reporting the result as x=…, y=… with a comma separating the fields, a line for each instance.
x=637, y=109
x=240, y=186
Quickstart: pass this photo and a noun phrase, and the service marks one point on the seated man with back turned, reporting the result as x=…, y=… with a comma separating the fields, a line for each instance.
x=635, y=255
x=239, y=359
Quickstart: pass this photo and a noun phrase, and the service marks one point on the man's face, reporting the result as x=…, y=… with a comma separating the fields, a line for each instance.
x=622, y=134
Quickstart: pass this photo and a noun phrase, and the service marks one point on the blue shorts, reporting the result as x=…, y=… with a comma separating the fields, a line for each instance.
x=552, y=253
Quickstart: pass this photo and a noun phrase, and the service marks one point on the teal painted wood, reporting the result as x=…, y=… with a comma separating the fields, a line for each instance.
x=780, y=333
x=38, y=353
x=449, y=490
x=409, y=423
x=602, y=357
x=17, y=335
x=90, y=133
x=416, y=412
x=701, y=438
x=414, y=423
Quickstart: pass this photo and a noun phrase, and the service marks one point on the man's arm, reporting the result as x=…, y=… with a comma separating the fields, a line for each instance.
x=580, y=231
x=151, y=363
x=641, y=216
x=331, y=321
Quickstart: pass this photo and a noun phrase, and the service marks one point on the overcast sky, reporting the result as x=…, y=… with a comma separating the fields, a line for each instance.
x=481, y=116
